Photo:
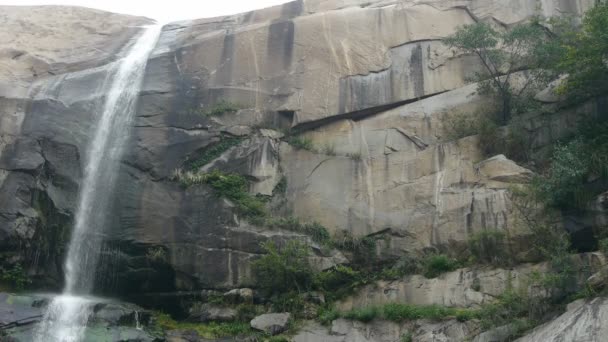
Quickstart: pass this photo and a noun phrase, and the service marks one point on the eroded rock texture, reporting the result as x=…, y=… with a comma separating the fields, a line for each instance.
x=367, y=82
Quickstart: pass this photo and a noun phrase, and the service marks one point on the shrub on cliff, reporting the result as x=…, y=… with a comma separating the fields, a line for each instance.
x=435, y=264
x=283, y=269
x=339, y=281
x=585, y=54
x=490, y=247
x=220, y=108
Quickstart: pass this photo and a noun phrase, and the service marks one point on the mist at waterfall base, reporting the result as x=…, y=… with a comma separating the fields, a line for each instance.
x=66, y=317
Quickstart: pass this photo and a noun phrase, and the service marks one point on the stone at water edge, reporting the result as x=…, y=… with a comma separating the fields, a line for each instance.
x=273, y=323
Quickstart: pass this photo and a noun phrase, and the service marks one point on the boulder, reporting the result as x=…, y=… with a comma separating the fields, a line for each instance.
x=499, y=168
x=273, y=323
x=466, y=287
x=582, y=323
x=209, y=312
x=385, y=331
x=499, y=334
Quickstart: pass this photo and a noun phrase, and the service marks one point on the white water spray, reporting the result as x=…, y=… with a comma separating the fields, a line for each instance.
x=66, y=316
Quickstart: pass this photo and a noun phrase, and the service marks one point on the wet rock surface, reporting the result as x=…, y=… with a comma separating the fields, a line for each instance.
x=109, y=321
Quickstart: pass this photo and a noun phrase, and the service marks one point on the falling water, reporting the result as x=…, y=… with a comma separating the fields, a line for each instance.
x=66, y=317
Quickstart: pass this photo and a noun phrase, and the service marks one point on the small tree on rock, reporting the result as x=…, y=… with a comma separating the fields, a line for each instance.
x=584, y=56
x=502, y=53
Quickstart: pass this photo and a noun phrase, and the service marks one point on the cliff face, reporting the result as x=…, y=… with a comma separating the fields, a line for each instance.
x=53, y=62
x=369, y=82
x=366, y=82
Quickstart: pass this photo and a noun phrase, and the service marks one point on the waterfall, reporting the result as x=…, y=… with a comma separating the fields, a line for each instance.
x=66, y=316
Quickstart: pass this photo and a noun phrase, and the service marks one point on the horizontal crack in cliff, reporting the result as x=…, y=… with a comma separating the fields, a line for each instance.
x=186, y=129
x=359, y=114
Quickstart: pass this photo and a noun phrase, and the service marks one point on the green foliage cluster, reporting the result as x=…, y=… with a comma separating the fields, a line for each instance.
x=562, y=186
x=489, y=246
x=220, y=108
x=228, y=185
x=362, y=249
x=509, y=140
x=213, y=152
x=281, y=187
x=435, y=264
x=407, y=337
x=156, y=254
x=405, y=312
x=461, y=125
x=15, y=277
x=292, y=302
x=315, y=230
x=327, y=314
x=403, y=266
x=603, y=246
x=276, y=339
x=583, y=55
x=209, y=330
x=283, y=269
x=339, y=281
x=301, y=143
x=574, y=165
x=517, y=310
x=430, y=265
x=502, y=53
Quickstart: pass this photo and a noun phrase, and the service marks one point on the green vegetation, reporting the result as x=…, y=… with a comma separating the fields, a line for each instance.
x=315, y=230
x=156, y=254
x=281, y=187
x=576, y=172
x=603, y=246
x=435, y=264
x=583, y=55
x=502, y=53
x=489, y=247
x=325, y=315
x=404, y=312
x=403, y=266
x=301, y=143
x=339, y=281
x=206, y=330
x=366, y=314
x=277, y=339
x=230, y=186
x=461, y=125
x=15, y=278
x=362, y=249
x=407, y=337
x=284, y=268
x=220, y=108
x=509, y=140
x=581, y=161
x=213, y=152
